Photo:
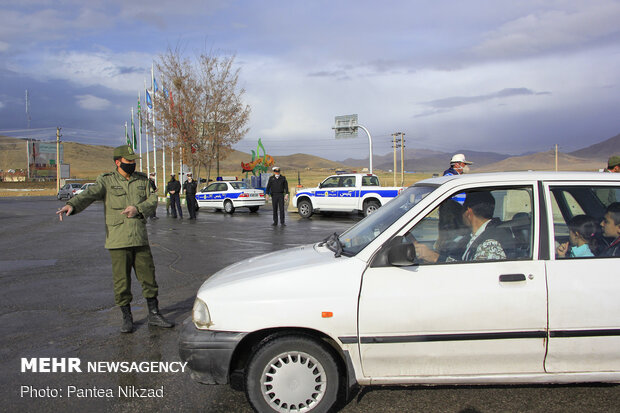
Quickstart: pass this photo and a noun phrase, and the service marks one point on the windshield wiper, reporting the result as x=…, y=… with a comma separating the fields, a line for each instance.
x=333, y=243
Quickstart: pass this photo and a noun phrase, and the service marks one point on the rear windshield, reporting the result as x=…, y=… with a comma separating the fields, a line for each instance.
x=238, y=185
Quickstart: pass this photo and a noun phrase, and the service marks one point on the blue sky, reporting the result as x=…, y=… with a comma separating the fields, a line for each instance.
x=500, y=76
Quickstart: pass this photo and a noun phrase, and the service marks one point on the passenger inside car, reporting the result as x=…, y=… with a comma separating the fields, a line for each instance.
x=582, y=234
x=486, y=241
x=611, y=229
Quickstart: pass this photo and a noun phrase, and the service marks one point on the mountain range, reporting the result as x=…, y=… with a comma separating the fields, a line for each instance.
x=92, y=159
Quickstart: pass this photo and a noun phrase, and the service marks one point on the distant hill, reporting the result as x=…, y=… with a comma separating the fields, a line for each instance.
x=542, y=161
x=424, y=160
x=88, y=161
x=600, y=151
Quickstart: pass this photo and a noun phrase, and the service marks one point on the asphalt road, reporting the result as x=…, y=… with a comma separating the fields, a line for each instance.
x=56, y=300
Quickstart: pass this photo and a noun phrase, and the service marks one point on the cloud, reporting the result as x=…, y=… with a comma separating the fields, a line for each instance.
x=91, y=102
x=545, y=31
x=456, y=101
x=123, y=72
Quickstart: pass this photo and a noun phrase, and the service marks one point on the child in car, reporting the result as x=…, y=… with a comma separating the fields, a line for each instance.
x=582, y=231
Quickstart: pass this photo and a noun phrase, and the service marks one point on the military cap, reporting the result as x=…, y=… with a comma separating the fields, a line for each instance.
x=613, y=161
x=125, y=151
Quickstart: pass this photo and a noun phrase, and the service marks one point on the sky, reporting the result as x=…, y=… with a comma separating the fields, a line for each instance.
x=503, y=76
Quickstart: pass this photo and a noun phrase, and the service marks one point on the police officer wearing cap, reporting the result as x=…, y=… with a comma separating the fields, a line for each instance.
x=458, y=165
x=277, y=188
x=190, y=187
x=174, y=189
x=127, y=200
x=613, y=164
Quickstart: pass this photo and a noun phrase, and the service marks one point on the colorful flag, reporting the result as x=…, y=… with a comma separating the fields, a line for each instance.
x=149, y=102
x=139, y=116
x=135, y=138
x=127, y=136
x=155, y=88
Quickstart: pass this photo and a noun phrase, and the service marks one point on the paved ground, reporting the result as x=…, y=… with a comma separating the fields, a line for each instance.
x=56, y=301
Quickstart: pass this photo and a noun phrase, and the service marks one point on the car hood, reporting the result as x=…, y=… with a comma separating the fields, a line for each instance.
x=270, y=265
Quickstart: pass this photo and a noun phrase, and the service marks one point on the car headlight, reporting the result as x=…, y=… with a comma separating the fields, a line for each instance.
x=200, y=315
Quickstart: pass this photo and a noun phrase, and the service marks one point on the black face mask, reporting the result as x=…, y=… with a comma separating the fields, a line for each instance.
x=129, y=168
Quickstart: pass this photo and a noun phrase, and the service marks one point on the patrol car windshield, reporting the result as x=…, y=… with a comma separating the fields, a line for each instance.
x=239, y=185
x=361, y=234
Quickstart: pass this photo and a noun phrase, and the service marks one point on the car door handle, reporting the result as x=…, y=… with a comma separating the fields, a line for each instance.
x=509, y=278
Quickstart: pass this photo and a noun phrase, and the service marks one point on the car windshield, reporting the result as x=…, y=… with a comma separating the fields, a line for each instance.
x=238, y=185
x=358, y=236
x=76, y=185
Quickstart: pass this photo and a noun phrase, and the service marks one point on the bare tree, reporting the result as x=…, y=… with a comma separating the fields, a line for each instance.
x=203, y=112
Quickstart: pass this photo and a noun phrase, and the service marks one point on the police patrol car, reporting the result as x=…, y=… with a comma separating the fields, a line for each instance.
x=350, y=192
x=228, y=195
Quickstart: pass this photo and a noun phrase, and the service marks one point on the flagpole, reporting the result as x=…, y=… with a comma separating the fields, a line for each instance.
x=140, y=132
x=126, y=136
x=148, y=164
x=133, y=133
x=154, y=140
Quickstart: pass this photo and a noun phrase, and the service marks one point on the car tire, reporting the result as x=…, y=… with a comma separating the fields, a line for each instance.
x=253, y=208
x=229, y=208
x=59, y=197
x=370, y=207
x=304, y=208
x=289, y=359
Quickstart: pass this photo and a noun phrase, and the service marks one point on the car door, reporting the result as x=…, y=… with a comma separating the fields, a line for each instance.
x=457, y=317
x=205, y=197
x=345, y=194
x=584, y=303
x=326, y=195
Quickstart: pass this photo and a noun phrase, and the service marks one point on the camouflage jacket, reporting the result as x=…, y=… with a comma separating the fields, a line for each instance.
x=117, y=193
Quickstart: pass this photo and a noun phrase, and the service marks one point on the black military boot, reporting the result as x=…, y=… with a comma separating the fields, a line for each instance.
x=155, y=317
x=127, y=326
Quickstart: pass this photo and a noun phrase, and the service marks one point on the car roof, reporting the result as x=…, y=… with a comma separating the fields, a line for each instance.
x=524, y=176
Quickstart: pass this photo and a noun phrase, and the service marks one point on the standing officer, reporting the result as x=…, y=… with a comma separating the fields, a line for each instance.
x=174, y=189
x=127, y=201
x=189, y=187
x=277, y=188
x=458, y=165
x=153, y=183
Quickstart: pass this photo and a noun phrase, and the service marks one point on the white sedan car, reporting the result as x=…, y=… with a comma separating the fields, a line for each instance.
x=473, y=279
x=228, y=195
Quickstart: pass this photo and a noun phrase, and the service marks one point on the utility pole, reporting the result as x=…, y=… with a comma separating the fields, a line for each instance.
x=394, y=147
x=57, y=159
x=402, y=159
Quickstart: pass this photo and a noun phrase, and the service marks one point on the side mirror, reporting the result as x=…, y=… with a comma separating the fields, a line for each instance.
x=397, y=252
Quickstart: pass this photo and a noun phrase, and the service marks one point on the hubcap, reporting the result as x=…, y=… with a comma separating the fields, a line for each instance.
x=293, y=381
x=303, y=208
x=370, y=209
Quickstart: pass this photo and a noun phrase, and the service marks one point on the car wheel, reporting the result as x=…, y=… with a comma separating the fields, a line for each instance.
x=59, y=197
x=229, y=208
x=370, y=207
x=253, y=208
x=292, y=373
x=305, y=208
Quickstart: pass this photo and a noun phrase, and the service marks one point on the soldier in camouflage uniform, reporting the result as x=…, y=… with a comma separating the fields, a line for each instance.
x=128, y=200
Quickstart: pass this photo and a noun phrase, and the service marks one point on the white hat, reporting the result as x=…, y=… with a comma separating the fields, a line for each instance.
x=459, y=157
x=275, y=168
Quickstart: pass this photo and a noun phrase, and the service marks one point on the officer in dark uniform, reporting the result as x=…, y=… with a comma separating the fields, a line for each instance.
x=277, y=188
x=189, y=187
x=174, y=189
x=152, y=181
x=127, y=200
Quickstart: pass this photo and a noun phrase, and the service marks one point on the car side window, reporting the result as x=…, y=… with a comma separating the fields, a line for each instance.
x=222, y=188
x=492, y=224
x=331, y=182
x=370, y=181
x=577, y=213
x=211, y=188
